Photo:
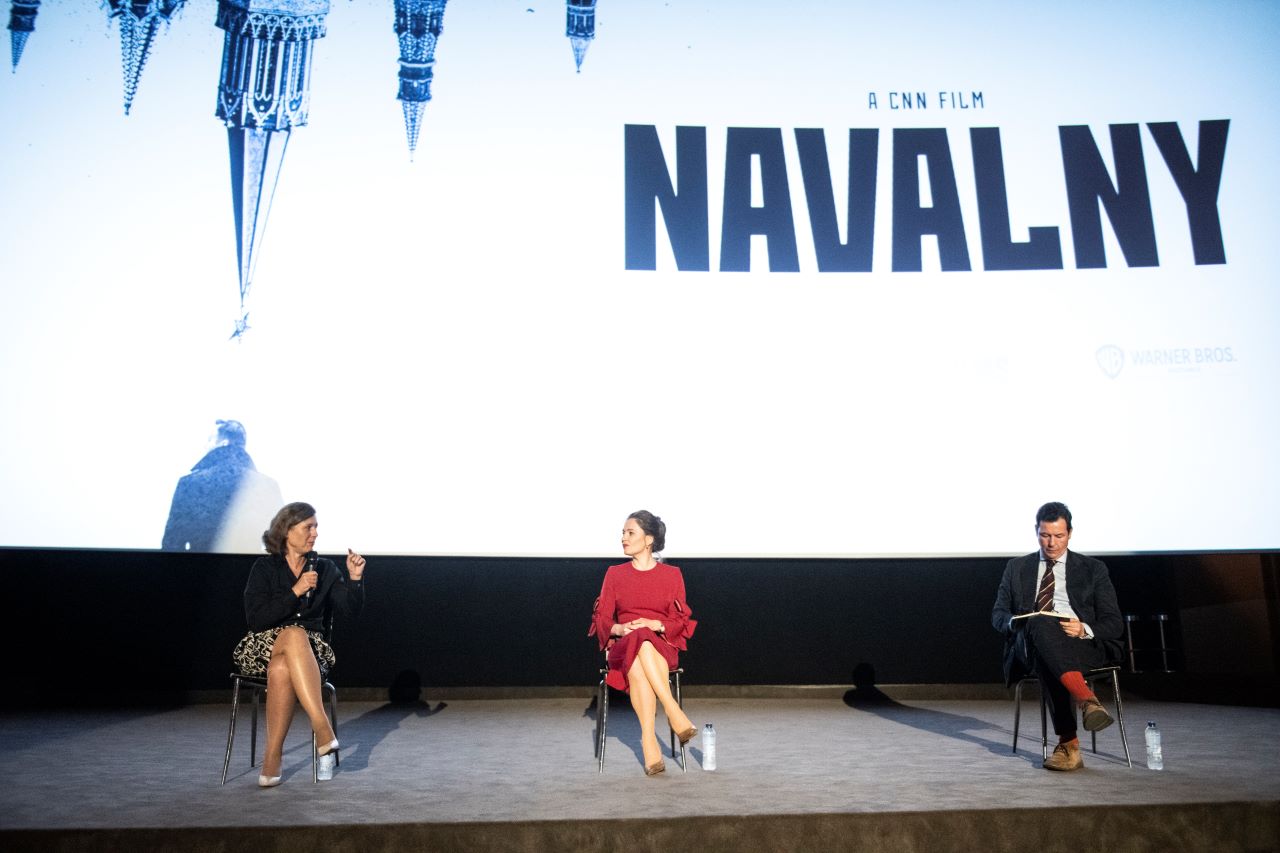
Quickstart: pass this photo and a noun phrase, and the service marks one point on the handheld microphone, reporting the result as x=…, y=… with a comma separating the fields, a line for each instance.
x=311, y=567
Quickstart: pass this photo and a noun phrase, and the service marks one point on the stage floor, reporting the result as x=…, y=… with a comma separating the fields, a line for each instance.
x=531, y=760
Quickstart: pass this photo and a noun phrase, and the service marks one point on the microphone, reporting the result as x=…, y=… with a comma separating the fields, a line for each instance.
x=310, y=567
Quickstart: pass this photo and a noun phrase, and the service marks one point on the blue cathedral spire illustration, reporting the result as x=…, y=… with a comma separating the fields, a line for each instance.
x=418, y=27
x=22, y=23
x=140, y=20
x=263, y=93
x=580, y=27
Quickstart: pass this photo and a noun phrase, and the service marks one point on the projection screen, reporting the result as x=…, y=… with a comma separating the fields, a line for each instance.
x=482, y=277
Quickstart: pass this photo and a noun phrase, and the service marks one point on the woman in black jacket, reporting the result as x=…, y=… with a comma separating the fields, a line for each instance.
x=285, y=600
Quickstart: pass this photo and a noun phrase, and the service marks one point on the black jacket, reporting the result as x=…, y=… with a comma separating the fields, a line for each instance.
x=269, y=600
x=1089, y=590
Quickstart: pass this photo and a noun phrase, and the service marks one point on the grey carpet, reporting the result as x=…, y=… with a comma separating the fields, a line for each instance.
x=520, y=761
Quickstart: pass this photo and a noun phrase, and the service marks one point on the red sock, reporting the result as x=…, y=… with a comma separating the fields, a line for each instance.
x=1076, y=686
x=1067, y=741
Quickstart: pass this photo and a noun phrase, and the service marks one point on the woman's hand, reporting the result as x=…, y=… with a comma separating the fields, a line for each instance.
x=305, y=583
x=355, y=565
x=627, y=627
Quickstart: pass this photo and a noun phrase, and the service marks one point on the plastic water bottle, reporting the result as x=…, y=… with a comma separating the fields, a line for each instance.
x=708, y=747
x=1155, y=756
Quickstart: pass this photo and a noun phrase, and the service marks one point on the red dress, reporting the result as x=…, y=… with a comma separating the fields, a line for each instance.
x=629, y=593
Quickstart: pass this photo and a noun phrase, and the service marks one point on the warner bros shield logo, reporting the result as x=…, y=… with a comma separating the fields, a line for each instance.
x=1111, y=360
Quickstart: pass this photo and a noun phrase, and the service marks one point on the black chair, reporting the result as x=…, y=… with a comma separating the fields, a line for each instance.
x=602, y=716
x=258, y=684
x=1090, y=676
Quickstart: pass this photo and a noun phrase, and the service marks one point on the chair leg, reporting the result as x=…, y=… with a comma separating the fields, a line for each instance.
x=231, y=727
x=315, y=761
x=1044, y=725
x=602, y=722
x=673, y=678
x=1017, y=712
x=1124, y=738
x=595, y=739
x=1093, y=736
x=684, y=765
x=333, y=718
x=253, y=730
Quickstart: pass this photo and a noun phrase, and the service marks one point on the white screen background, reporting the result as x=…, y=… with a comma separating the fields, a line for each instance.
x=447, y=356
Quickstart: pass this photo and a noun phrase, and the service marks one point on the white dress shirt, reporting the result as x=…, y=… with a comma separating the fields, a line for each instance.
x=1061, y=603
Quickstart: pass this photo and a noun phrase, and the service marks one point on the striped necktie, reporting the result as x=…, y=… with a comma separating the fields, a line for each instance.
x=1044, y=597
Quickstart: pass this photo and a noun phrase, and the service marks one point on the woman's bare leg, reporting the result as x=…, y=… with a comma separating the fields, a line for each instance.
x=304, y=676
x=646, y=706
x=279, y=714
x=658, y=675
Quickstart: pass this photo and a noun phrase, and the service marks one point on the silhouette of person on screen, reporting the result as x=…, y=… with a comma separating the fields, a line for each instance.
x=220, y=505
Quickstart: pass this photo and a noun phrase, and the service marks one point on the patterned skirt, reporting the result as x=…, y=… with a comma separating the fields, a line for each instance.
x=253, y=653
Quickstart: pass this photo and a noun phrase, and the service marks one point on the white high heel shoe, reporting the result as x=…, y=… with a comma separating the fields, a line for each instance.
x=333, y=747
x=269, y=781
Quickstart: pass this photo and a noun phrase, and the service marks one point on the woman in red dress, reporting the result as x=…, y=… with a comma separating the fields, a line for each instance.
x=642, y=620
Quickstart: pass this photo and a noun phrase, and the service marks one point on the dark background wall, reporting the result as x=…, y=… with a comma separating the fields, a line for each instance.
x=81, y=621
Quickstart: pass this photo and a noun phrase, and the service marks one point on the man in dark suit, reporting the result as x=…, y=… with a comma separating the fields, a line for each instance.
x=1084, y=631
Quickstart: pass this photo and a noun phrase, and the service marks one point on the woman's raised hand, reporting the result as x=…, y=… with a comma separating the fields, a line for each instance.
x=355, y=565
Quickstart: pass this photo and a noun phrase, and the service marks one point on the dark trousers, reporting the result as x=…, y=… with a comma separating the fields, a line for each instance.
x=1053, y=653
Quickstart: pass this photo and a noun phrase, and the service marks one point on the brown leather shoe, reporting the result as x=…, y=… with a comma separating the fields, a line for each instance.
x=1095, y=716
x=1066, y=756
x=655, y=769
x=687, y=735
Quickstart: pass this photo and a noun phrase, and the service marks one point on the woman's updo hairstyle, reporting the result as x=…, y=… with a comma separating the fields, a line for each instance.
x=653, y=526
x=276, y=536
